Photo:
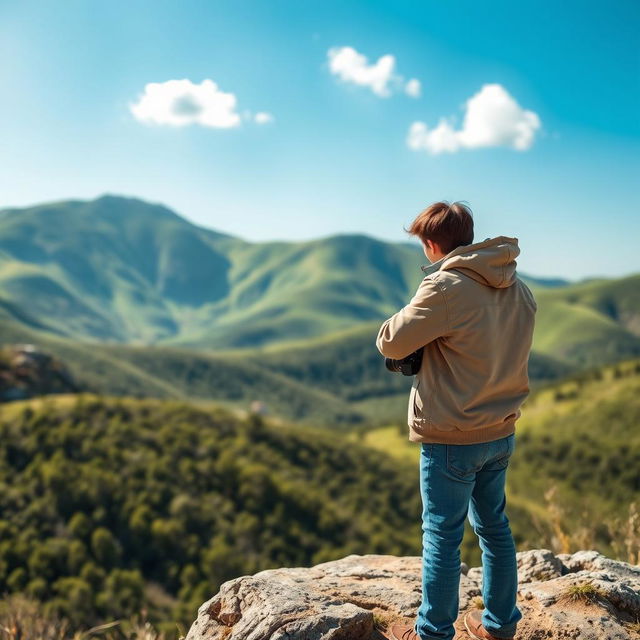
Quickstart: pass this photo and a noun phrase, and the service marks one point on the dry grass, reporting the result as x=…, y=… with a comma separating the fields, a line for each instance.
x=561, y=539
x=569, y=535
x=627, y=541
x=23, y=619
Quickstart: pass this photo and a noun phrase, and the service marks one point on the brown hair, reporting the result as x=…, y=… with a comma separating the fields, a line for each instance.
x=448, y=225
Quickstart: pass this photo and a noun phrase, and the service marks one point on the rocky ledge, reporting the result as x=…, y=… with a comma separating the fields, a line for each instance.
x=581, y=595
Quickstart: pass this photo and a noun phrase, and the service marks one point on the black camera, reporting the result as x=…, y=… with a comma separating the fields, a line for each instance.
x=407, y=366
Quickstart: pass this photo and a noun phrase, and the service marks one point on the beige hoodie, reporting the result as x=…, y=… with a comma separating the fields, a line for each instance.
x=475, y=318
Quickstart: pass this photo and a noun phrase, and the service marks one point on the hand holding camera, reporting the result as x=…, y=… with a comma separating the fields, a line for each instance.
x=407, y=366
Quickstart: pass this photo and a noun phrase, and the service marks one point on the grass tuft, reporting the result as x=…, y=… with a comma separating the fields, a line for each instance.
x=584, y=592
x=379, y=621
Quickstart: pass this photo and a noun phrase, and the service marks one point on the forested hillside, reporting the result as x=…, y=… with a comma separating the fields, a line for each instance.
x=108, y=503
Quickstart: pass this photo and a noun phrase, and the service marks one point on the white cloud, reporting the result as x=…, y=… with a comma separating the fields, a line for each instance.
x=262, y=117
x=413, y=88
x=181, y=102
x=351, y=66
x=441, y=138
x=492, y=119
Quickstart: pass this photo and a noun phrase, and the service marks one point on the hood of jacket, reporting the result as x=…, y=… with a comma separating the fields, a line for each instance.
x=491, y=262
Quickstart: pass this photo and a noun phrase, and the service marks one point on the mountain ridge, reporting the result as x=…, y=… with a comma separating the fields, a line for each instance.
x=122, y=270
x=551, y=281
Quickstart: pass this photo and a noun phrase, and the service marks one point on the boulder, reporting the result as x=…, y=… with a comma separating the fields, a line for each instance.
x=356, y=597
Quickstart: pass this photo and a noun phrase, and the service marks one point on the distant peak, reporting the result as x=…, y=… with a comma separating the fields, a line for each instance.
x=113, y=200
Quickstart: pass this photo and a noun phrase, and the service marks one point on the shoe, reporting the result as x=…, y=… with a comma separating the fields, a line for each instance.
x=398, y=631
x=473, y=624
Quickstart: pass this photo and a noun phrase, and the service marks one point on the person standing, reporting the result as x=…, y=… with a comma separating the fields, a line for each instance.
x=472, y=318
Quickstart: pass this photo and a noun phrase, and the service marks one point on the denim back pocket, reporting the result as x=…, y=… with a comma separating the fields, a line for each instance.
x=501, y=452
x=465, y=459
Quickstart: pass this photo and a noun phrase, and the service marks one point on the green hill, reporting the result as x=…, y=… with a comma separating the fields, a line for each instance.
x=112, y=268
x=120, y=269
x=590, y=323
x=335, y=381
x=172, y=373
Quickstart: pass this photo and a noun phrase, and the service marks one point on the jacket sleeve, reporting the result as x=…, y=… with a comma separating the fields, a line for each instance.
x=424, y=319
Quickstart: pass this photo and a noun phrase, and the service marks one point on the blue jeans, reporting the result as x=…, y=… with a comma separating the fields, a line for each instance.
x=456, y=480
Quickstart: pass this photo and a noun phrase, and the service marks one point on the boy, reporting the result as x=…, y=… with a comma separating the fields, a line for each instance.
x=475, y=319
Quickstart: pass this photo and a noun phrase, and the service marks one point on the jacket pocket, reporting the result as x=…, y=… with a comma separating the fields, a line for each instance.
x=416, y=402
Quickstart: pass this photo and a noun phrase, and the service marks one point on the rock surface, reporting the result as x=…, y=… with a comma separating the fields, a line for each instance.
x=356, y=597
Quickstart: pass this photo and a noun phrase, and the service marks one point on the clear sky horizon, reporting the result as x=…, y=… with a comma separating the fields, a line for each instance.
x=288, y=121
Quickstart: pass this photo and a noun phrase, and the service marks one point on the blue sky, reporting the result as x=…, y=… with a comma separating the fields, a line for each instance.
x=335, y=157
